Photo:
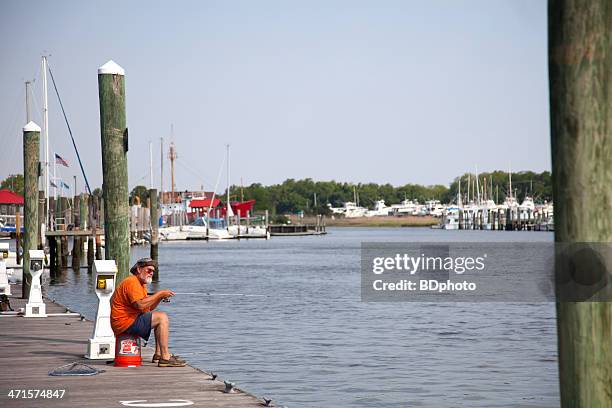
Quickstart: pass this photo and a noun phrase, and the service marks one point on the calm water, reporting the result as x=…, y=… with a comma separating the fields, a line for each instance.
x=311, y=342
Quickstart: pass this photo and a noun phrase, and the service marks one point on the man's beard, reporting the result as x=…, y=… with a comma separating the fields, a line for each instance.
x=148, y=279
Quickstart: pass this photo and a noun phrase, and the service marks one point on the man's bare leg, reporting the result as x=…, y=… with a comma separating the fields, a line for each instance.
x=161, y=325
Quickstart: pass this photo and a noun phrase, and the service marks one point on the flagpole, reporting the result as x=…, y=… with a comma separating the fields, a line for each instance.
x=46, y=136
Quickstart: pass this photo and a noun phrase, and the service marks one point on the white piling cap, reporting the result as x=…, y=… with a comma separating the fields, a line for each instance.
x=111, y=67
x=31, y=127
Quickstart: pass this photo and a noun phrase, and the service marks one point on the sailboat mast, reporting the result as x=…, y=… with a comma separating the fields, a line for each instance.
x=46, y=135
x=151, y=164
x=28, y=111
x=161, y=176
x=459, y=194
x=172, y=156
x=477, y=187
x=510, y=180
x=484, y=189
x=227, y=209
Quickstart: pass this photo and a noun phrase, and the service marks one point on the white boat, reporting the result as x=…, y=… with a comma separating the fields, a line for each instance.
x=489, y=209
x=451, y=218
x=380, y=209
x=174, y=233
x=217, y=234
x=406, y=207
x=243, y=231
x=351, y=210
x=435, y=208
x=526, y=209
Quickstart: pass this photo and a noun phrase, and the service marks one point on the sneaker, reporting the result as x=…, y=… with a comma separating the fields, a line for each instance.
x=157, y=357
x=172, y=362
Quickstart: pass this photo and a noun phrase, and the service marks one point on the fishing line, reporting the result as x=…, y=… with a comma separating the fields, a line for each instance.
x=208, y=294
x=216, y=294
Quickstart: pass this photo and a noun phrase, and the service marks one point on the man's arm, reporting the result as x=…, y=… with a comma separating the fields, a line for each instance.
x=150, y=302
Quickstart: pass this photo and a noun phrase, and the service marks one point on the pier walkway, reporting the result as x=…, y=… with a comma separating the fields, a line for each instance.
x=31, y=347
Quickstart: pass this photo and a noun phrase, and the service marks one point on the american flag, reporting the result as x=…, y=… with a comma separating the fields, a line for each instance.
x=60, y=160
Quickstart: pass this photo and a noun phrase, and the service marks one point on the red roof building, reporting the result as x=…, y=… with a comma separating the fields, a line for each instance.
x=7, y=197
x=204, y=203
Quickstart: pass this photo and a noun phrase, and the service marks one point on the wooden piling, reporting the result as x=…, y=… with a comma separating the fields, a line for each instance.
x=580, y=70
x=64, y=239
x=114, y=134
x=18, y=243
x=83, y=213
x=31, y=152
x=77, y=243
x=154, y=231
x=97, y=221
x=41, y=219
x=53, y=256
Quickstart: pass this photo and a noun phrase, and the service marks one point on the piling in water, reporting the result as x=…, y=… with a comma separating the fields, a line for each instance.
x=77, y=244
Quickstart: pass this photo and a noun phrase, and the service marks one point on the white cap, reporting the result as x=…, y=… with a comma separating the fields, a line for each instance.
x=31, y=127
x=111, y=67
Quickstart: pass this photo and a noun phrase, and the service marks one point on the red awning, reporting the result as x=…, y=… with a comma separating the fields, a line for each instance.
x=243, y=207
x=8, y=197
x=204, y=203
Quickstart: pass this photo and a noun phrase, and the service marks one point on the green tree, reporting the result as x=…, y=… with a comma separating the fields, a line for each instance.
x=14, y=182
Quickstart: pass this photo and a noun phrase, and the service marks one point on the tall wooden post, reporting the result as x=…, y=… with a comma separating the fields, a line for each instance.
x=41, y=218
x=83, y=213
x=97, y=221
x=111, y=90
x=91, y=240
x=77, y=243
x=31, y=148
x=154, y=231
x=64, y=251
x=580, y=75
x=18, y=243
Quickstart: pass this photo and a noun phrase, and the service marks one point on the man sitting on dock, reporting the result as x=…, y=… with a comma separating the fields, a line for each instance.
x=131, y=311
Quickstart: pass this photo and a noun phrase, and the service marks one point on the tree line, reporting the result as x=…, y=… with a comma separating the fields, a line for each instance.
x=293, y=196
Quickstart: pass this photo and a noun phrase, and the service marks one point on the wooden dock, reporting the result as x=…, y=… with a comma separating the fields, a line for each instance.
x=31, y=347
x=296, y=230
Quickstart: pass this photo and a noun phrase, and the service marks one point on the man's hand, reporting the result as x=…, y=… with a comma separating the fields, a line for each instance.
x=150, y=302
x=165, y=293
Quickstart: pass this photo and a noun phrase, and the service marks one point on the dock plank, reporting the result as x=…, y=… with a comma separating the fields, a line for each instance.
x=31, y=347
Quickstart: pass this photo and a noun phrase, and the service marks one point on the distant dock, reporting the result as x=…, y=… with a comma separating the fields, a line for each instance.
x=31, y=347
x=296, y=230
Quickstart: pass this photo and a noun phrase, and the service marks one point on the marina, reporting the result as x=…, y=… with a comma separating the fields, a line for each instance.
x=306, y=204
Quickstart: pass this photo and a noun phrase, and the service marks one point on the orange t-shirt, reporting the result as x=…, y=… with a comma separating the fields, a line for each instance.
x=123, y=313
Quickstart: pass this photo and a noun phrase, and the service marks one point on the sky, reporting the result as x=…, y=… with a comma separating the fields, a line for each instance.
x=357, y=91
